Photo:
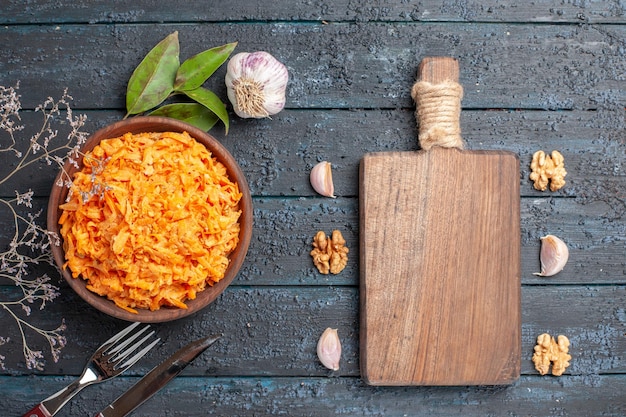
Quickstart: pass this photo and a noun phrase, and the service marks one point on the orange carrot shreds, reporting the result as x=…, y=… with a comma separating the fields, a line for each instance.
x=161, y=226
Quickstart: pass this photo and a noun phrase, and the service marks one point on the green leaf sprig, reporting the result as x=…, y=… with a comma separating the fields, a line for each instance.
x=160, y=75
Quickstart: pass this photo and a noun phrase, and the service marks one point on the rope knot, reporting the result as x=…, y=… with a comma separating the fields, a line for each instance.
x=438, y=111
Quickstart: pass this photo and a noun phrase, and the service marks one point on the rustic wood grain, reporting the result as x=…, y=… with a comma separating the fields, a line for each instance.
x=440, y=268
x=281, y=340
x=538, y=75
x=440, y=262
x=352, y=65
x=284, y=229
x=321, y=397
x=42, y=11
x=277, y=155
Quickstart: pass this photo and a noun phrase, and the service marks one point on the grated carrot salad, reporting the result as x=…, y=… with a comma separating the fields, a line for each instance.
x=161, y=225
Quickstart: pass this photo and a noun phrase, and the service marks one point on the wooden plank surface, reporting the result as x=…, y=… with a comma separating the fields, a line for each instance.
x=278, y=253
x=99, y=11
x=255, y=344
x=282, y=237
x=277, y=165
x=350, y=64
x=321, y=397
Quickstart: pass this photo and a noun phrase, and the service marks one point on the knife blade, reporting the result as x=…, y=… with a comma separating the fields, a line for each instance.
x=157, y=378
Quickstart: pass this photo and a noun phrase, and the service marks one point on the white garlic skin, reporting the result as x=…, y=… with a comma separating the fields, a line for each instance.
x=321, y=178
x=266, y=74
x=554, y=254
x=329, y=349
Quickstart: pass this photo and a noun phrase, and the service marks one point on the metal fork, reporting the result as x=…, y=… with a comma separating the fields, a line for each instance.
x=115, y=356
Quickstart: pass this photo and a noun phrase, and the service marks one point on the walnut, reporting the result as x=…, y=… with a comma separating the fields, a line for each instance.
x=548, y=169
x=321, y=257
x=563, y=357
x=549, y=351
x=329, y=253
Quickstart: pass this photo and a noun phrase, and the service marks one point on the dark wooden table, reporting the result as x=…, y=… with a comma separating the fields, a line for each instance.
x=543, y=75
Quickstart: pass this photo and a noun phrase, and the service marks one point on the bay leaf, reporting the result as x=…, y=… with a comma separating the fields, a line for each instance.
x=197, y=69
x=211, y=101
x=153, y=79
x=193, y=113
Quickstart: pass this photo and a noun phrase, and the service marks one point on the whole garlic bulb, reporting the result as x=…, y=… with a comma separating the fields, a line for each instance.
x=554, y=255
x=256, y=84
x=329, y=349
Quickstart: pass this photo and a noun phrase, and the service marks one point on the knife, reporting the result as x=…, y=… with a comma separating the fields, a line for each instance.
x=156, y=379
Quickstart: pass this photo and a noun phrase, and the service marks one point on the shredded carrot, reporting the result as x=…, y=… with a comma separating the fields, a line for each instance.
x=150, y=220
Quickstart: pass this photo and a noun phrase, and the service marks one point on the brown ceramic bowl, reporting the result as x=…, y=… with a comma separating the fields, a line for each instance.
x=203, y=298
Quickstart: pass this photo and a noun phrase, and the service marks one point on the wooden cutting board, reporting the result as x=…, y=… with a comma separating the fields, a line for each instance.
x=440, y=263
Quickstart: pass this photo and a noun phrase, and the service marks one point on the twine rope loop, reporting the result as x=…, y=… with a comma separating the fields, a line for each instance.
x=438, y=111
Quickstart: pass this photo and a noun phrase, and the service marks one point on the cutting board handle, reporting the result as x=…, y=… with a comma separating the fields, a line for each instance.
x=437, y=95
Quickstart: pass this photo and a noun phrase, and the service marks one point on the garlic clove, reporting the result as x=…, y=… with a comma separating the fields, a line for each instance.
x=321, y=178
x=329, y=349
x=554, y=255
x=256, y=83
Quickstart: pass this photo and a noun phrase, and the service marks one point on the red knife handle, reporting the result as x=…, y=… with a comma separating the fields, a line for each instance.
x=38, y=411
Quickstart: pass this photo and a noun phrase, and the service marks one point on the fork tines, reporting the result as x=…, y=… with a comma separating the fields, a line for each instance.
x=119, y=353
